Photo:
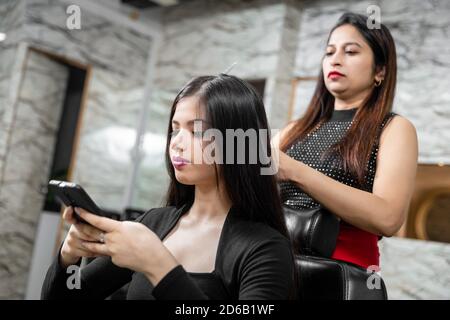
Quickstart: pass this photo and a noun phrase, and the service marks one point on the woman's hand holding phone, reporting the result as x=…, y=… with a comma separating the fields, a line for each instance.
x=72, y=250
x=130, y=245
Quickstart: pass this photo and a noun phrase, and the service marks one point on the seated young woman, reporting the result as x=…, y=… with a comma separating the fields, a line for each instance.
x=221, y=235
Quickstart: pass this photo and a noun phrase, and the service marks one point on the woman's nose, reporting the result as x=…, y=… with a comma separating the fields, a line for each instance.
x=179, y=141
x=336, y=59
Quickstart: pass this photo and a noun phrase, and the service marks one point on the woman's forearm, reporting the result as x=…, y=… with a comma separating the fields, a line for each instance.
x=156, y=272
x=357, y=207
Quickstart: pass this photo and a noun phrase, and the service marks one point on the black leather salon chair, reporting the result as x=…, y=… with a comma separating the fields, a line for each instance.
x=313, y=235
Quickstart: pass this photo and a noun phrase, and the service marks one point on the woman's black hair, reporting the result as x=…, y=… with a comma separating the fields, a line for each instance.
x=231, y=103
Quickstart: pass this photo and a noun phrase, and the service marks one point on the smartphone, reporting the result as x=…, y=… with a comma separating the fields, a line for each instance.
x=72, y=194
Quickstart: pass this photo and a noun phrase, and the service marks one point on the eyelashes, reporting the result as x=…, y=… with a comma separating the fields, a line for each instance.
x=196, y=134
x=349, y=52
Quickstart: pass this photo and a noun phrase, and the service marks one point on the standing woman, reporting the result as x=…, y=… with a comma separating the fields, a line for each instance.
x=349, y=152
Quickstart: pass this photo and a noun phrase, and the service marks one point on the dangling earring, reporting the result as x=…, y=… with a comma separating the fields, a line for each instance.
x=378, y=83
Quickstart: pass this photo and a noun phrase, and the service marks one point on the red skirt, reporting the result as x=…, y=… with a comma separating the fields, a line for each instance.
x=357, y=246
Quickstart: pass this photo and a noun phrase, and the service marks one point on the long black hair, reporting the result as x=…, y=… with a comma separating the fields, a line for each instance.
x=231, y=103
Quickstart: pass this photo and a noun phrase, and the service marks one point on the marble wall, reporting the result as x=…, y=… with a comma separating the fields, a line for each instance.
x=11, y=57
x=118, y=56
x=27, y=164
x=415, y=269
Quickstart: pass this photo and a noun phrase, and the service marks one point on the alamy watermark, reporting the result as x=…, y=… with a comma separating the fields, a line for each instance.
x=73, y=21
x=74, y=280
x=374, y=17
x=374, y=280
x=241, y=147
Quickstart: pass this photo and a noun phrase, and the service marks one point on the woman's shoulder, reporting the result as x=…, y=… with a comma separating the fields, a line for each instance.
x=251, y=234
x=251, y=246
x=158, y=217
x=396, y=126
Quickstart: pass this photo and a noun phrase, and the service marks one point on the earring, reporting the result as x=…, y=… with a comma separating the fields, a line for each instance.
x=378, y=83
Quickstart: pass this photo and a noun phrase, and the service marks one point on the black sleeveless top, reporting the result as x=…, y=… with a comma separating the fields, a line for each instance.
x=311, y=149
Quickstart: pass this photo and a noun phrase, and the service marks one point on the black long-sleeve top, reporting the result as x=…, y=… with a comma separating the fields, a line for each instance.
x=253, y=261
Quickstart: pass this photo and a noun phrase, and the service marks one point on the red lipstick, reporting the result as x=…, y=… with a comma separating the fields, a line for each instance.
x=335, y=75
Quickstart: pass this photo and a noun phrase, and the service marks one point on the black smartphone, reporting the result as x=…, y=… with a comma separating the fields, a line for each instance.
x=72, y=194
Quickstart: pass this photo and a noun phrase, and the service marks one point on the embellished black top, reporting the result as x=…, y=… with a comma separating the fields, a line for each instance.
x=311, y=150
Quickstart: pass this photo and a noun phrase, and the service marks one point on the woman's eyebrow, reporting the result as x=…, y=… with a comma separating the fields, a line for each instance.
x=190, y=122
x=346, y=44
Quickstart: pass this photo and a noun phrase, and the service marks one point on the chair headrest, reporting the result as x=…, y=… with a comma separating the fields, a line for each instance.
x=312, y=231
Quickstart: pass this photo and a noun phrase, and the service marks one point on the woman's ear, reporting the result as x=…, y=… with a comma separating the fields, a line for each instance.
x=380, y=74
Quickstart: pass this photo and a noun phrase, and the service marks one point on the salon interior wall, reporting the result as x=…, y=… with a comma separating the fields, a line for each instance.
x=118, y=54
x=15, y=242
x=413, y=269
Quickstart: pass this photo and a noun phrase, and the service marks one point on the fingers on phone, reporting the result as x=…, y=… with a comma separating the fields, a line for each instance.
x=70, y=216
x=84, y=236
x=89, y=231
x=87, y=254
x=67, y=214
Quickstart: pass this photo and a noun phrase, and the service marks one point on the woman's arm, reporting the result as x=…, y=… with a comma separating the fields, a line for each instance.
x=382, y=212
x=268, y=272
x=135, y=247
x=98, y=280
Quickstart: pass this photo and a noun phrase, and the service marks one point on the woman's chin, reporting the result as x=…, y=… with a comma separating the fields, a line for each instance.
x=183, y=178
x=337, y=89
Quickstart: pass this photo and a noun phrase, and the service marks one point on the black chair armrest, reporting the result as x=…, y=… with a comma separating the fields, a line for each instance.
x=327, y=279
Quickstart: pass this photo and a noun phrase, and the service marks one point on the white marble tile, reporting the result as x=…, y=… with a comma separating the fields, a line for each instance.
x=415, y=269
x=27, y=164
x=12, y=18
x=207, y=39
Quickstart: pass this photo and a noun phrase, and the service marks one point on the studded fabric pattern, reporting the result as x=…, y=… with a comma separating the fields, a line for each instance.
x=312, y=151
